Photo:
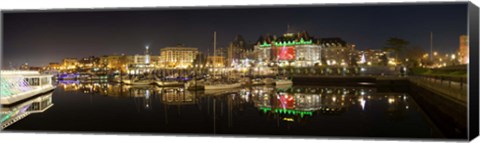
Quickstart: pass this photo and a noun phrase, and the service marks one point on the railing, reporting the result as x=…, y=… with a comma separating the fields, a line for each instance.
x=451, y=82
x=453, y=87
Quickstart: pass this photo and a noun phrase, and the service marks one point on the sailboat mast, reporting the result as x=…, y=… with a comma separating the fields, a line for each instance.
x=214, y=43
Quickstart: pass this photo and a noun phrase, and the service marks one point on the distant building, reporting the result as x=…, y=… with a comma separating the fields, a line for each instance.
x=216, y=61
x=69, y=63
x=89, y=62
x=53, y=66
x=238, y=49
x=111, y=61
x=177, y=57
x=139, y=64
x=141, y=59
x=463, y=50
x=24, y=67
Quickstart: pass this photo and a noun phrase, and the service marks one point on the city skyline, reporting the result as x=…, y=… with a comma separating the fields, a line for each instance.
x=81, y=34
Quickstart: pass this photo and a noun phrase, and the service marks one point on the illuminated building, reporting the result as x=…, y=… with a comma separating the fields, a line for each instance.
x=290, y=49
x=53, y=66
x=139, y=64
x=177, y=57
x=336, y=52
x=216, y=61
x=88, y=63
x=141, y=59
x=463, y=50
x=111, y=61
x=69, y=63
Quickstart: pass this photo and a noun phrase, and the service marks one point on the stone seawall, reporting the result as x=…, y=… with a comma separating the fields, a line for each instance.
x=448, y=115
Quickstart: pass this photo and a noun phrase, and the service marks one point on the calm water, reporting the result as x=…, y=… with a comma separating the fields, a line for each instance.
x=264, y=110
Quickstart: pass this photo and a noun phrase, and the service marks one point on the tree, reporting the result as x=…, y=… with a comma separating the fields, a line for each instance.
x=414, y=55
x=396, y=45
x=384, y=60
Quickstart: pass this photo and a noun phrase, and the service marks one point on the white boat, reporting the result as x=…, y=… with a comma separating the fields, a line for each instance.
x=283, y=82
x=213, y=85
x=169, y=83
x=219, y=86
x=143, y=82
x=18, y=111
x=221, y=91
x=138, y=82
x=127, y=81
x=195, y=84
x=20, y=85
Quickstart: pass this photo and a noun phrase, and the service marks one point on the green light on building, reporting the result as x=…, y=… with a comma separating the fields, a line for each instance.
x=287, y=111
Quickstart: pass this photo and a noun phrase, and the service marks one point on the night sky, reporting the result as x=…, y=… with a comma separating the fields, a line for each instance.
x=40, y=37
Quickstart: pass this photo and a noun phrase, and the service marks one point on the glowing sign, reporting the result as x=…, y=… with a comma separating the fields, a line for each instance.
x=286, y=53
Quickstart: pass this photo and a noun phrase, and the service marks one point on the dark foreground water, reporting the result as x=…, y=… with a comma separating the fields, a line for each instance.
x=260, y=110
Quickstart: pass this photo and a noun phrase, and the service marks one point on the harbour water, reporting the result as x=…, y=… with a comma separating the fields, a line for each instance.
x=354, y=111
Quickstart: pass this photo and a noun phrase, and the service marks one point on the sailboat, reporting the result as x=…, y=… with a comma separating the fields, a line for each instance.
x=137, y=81
x=219, y=85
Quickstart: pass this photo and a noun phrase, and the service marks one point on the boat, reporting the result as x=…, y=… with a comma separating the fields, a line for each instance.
x=221, y=91
x=14, y=113
x=195, y=84
x=215, y=84
x=19, y=85
x=169, y=83
x=220, y=86
x=117, y=79
x=283, y=82
x=68, y=76
x=136, y=81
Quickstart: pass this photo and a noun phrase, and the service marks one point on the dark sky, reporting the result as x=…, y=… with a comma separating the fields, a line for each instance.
x=41, y=37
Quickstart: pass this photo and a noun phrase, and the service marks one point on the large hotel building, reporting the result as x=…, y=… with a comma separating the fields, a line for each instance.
x=177, y=57
x=302, y=50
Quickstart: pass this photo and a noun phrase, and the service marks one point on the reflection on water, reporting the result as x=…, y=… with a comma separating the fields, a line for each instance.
x=13, y=113
x=288, y=101
x=274, y=110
